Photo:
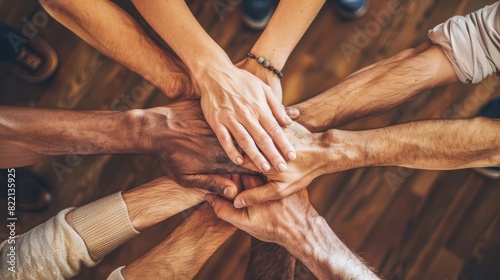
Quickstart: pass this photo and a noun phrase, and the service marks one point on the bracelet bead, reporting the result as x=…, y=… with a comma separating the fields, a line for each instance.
x=266, y=64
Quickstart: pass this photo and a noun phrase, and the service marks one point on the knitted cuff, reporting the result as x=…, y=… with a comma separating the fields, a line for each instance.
x=104, y=225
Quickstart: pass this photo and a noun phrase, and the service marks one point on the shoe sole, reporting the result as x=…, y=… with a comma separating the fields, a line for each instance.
x=257, y=25
x=493, y=174
x=351, y=16
x=52, y=62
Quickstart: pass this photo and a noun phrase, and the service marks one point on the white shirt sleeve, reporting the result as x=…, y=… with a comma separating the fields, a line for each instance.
x=52, y=250
x=471, y=43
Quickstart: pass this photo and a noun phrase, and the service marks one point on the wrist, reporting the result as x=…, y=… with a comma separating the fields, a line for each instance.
x=346, y=150
x=210, y=62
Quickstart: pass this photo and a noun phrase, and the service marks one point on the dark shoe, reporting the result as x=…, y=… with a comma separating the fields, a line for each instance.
x=257, y=13
x=350, y=9
x=31, y=192
x=490, y=110
x=32, y=60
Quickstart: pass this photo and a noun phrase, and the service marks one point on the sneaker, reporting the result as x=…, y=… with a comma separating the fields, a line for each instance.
x=490, y=110
x=350, y=9
x=257, y=13
x=34, y=62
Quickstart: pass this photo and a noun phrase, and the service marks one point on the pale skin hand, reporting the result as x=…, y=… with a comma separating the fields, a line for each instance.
x=236, y=104
x=291, y=221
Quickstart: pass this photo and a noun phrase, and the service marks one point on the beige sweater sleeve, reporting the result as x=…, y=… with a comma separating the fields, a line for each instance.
x=56, y=250
x=471, y=43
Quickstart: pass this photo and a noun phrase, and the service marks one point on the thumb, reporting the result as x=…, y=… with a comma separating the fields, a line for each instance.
x=216, y=183
x=258, y=195
x=293, y=113
x=225, y=210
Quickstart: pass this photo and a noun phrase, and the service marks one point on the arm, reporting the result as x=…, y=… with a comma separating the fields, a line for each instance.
x=435, y=144
x=378, y=88
x=172, y=134
x=109, y=29
x=235, y=103
x=269, y=261
x=293, y=224
x=182, y=254
x=287, y=25
x=60, y=247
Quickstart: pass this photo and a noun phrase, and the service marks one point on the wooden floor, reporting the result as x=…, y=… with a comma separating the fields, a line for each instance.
x=408, y=224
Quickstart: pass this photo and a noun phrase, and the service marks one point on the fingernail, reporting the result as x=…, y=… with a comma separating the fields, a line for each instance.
x=282, y=167
x=239, y=160
x=209, y=199
x=229, y=192
x=265, y=167
x=288, y=119
x=292, y=155
x=239, y=203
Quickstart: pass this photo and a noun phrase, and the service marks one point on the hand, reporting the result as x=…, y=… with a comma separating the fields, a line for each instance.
x=187, y=148
x=312, y=158
x=271, y=80
x=237, y=104
x=272, y=221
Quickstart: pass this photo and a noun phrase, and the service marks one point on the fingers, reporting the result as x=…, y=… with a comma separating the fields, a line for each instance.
x=293, y=113
x=225, y=210
x=226, y=141
x=278, y=137
x=246, y=142
x=255, y=196
x=214, y=183
x=277, y=108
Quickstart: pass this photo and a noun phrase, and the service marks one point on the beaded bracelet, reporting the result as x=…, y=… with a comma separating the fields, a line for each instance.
x=265, y=64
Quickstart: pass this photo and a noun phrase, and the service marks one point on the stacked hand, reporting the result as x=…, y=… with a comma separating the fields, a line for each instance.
x=239, y=105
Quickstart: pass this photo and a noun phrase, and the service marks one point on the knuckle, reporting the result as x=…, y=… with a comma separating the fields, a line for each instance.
x=225, y=139
x=275, y=130
x=263, y=139
x=244, y=140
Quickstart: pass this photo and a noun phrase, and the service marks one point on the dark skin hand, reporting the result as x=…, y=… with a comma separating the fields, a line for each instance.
x=177, y=135
x=188, y=150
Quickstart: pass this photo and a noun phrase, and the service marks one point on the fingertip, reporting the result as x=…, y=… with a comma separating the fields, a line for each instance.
x=210, y=199
x=293, y=113
x=239, y=203
x=292, y=155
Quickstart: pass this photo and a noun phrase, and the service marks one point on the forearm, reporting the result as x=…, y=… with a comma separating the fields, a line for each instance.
x=182, y=254
x=177, y=26
x=269, y=261
x=32, y=134
x=288, y=24
x=324, y=253
x=159, y=200
x=377, y=88
x=115, y=33
x=434, y=144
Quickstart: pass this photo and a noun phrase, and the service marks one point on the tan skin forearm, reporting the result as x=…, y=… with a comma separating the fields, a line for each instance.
x=158, y=200
x=378, y=88
x=324, y=253
x=287, y=25
x=182, y=254
x=434, y=144
x=116, y=34
x=32, y=134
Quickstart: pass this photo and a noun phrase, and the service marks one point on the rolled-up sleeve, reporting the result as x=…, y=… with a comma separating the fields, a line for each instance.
x=471, y=43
